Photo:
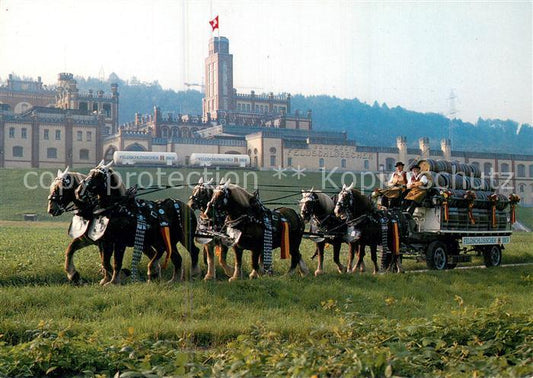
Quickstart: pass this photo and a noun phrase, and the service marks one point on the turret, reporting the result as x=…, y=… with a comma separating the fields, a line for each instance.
x=401, y=143
x=424, y=147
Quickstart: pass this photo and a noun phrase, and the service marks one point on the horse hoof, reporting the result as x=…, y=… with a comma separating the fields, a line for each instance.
x=318, y=272
x=253, y=275
x=209, y=277
x=341, y=270
x=233, y=279
x=104, y=282
x=228, y=270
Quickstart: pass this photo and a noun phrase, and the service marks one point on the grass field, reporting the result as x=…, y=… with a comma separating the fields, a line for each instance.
x=451, y=323
x=475, y=322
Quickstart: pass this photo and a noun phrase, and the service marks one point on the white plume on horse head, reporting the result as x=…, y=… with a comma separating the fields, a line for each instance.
x=100, y=164
x=226, y=184
x=108, y=165
x=201, y=180
x=210, y=181
x=343, y=186
x=350, y=187
x=222, y=180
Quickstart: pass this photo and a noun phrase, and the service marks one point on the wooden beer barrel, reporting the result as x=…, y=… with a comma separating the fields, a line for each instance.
x=459, y=182
x=444, y=166
x=476, y=172
x=442, y=179
x=464, y=169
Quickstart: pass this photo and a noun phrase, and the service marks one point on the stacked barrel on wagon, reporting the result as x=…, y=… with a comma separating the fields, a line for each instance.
x=468, y=200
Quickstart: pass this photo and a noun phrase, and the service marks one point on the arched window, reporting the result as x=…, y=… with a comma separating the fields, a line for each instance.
x=504, y=168
x=343, y=163
x=521, y=170
x=272, y=160
x=164, y=132
x=321, y=162
x=84, y=154
x=475, y=164
x=366, y=164
x=521, y=188
x=18, y=151
x=12, y=133
x=175, y=132
x=51, y=153
x=289, y=162
x=487, y=169
x=531, y=170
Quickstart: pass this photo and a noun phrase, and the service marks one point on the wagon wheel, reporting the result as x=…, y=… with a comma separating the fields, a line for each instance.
x=492, y=256
x=436, y=256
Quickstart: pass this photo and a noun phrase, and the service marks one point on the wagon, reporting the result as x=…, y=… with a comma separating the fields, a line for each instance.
x=455, y=225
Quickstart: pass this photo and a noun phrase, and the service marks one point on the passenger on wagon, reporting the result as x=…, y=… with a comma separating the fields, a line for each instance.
x=392, y=196
x=417, y=186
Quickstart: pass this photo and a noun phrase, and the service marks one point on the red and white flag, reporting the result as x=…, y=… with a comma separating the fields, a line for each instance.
x=214, y=23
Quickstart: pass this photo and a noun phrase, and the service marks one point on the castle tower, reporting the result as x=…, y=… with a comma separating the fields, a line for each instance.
x=401, y=143
x=446, y=147
x=218, y=79
x=424, y=147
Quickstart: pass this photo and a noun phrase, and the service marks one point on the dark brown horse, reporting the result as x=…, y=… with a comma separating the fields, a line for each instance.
x=62, y=198
x=198, y=200
x=245, y=220
x=353, y=205
x=124, y=213
x=318, y=209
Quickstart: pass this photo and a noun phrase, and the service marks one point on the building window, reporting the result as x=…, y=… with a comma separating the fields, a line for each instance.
x=89, y=136
x=51, y=153
x=84, y=154
x=366, y=164
x=521, y=188
x=505, y=168
x=107, y=110
x=321, y=162
x=46, y=134
x=389, y=164
x=11, y=132
x=531, y=170
x=272, y=160
x=521, y=170
x=18, y=151
x=273, y=150
x=487, y=169
x=289, y=162
x=164, y=132
x=24, y=133
x=343, y=163
x=58, y=134
x=79, y=136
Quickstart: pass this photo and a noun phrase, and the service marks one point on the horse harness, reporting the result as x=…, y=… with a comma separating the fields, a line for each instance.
x=269, y=220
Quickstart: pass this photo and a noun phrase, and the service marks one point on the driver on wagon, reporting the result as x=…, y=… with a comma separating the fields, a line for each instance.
x=417, y=186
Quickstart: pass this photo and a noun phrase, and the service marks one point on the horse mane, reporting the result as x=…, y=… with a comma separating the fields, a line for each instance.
x=324, y=201
x=118, y=184
x=360, y=198
x=240, y=195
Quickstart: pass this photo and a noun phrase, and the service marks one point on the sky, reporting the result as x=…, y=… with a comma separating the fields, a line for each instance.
x=411, y=54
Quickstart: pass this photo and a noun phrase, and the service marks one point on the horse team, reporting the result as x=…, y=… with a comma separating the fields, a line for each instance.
x=112, y=217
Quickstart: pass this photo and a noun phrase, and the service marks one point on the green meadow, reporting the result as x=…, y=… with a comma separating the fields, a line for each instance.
x=450, y=323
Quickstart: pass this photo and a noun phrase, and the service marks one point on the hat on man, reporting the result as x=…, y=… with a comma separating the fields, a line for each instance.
x=399, y=163
x=415, y=166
